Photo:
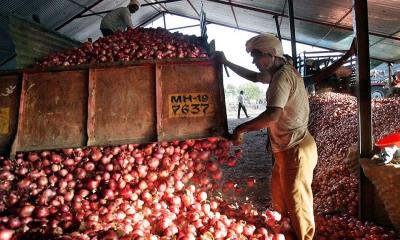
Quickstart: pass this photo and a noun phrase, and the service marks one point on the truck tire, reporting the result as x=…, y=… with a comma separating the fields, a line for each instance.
x=377, y=92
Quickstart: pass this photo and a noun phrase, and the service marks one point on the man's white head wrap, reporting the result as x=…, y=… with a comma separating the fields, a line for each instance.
x=265, y=43
x=134, y=2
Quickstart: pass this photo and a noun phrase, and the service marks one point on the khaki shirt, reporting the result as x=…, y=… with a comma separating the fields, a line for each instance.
x=287, y=91
x=117, y=20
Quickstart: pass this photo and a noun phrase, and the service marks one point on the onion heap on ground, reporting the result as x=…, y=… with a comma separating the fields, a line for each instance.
x=333, y=123
x=151, y=191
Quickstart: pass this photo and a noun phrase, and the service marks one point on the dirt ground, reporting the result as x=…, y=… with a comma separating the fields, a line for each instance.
x=256, y=162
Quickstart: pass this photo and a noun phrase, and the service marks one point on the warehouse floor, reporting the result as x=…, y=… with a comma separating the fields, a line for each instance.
x=256, y=162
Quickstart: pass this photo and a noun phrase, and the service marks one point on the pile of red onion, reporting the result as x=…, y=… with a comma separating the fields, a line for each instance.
x=170, y=190
x=333, y=123
x=343, y=226
x=166, y=189
x=130, y=45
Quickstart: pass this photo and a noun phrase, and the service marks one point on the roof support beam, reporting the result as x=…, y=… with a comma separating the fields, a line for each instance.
x=80, y=5
x=252, y=31
x=278, y=28
x=292, y=33
x=380, y=40
x=183, y=27
x=143, y=5
x=360, y=22
x=332, y=28
x=151, y=19
x=299, y=18
x=78, y=15
x=155, y=5
x=191, y=5
x=9, y=58
x=234, y=14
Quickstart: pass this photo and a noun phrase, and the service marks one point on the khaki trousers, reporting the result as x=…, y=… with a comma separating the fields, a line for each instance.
x=292, y=195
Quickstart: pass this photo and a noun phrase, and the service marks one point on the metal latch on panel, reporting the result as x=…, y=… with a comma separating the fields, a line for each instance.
x=190, y=105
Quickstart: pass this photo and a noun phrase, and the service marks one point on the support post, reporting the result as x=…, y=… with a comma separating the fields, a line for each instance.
x=165, y=23
x=278, y=28
x=360, y=25
x=390, y=80
x=292, y=33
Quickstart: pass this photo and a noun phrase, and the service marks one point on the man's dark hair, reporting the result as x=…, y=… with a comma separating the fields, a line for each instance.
x=241, y=92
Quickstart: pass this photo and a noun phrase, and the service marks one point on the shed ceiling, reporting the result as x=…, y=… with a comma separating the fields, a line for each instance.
x=326, y=24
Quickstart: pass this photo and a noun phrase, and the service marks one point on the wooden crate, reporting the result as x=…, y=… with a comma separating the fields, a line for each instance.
x=109, y=104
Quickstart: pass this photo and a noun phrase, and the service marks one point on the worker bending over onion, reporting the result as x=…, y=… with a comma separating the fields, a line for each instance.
x=119, y=19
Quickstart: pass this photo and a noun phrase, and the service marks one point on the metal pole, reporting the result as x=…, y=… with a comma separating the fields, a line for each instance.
x=278, y=29
x=292, y=33
x=389, y=84
x=165, y=23
x=360, y=25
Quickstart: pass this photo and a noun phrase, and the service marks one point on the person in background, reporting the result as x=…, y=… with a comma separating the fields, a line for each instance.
x=322, y=74
x=286, y=118
x=331, y=69
x=119, y=19
x=241, y=104
x=396, y=79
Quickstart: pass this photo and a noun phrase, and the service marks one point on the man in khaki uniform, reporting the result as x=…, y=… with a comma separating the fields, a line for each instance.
x=286, y=117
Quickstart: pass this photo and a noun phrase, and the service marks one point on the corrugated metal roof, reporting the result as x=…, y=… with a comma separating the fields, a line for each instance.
x=326, y=24
x=33, y=42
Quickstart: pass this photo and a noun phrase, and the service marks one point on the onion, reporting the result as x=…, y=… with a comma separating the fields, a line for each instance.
x=33, y=156
x=89, y=166
x=41, y=212
x=26, y=211
x=6, y=234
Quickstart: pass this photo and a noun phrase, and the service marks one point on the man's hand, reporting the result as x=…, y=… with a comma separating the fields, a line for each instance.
x=237, y=136
x=219, y=57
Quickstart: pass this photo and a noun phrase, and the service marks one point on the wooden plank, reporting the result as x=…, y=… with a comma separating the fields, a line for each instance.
x=10, y=89
x=159, y=100
x=91, y=121
x=192, y=104
x=20, y=116
x=222, y=115
x=53, y=111
x=100, y=65
x=125, y=108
